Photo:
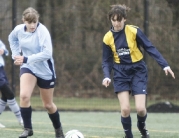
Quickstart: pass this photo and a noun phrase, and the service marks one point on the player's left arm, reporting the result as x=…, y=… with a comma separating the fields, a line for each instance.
x=153, y=52
x=168, y=70
x=45, y=45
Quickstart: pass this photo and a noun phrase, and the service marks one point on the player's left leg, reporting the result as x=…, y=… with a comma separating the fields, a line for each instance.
x=8, y=97
x=140, y=101
x=47, y=99
x=3, y=81
x=2, y=104
x=139, y=91
x=2, y=107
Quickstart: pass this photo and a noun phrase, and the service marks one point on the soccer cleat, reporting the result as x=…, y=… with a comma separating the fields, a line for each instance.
x=59, y=133
x=144, y=133
x=2, y=126
x=27, y=132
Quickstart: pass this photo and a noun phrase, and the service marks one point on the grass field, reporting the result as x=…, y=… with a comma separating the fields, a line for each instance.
x=90, y=104
x=92, y=124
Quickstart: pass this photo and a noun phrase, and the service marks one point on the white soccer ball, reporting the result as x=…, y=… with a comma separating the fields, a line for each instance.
x=74, y=134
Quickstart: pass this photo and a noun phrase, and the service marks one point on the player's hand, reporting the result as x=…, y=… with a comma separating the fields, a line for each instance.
x=106, y=82
x=168, y=70
x=18, y=60
x=1, y=51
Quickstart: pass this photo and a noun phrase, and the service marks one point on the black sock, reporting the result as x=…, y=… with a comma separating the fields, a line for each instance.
x=126, y=122
x=26, y=114
x=141, y=122
x=55, y=118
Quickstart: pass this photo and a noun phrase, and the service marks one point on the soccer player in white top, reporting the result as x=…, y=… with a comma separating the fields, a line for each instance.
x=31, y=48
x=7, y=95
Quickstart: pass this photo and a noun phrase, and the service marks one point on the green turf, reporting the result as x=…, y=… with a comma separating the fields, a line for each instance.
x=89, y=104
x=92, y=124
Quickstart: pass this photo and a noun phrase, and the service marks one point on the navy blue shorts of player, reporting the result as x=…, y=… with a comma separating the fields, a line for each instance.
x=46, y=84
x=130, y=77
x=3, y=78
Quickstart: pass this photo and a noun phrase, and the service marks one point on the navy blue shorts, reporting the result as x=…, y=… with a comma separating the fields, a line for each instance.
x=130, y=77
x=3, y=77
x=46, y=84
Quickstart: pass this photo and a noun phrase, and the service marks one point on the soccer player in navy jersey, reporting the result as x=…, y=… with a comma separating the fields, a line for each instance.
x=31, y=48
x=7, y=95
x=122, y=54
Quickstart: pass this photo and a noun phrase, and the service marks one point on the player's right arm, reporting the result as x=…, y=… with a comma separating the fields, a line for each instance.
x=14, y=42
x=107, y=62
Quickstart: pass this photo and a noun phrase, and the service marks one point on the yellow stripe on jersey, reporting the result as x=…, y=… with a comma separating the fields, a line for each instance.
x=135, y=53
x=128, y=41
x=109, y=40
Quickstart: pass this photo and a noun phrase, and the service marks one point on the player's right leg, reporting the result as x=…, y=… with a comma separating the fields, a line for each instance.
x=27, y=84
x=125, y=113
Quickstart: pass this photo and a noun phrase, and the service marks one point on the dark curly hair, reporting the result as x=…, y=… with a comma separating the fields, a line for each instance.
x=118, y=10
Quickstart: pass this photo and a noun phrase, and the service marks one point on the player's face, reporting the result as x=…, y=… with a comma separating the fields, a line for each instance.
x=117, y=25
x=31, y=27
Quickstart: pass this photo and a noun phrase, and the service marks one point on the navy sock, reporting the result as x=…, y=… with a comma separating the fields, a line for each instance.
x=55, y=118
x=126, y=122
x=141, y=121
x=26, y=114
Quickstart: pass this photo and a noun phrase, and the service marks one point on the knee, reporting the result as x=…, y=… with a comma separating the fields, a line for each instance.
x=141, y=110
x=48, y=106
x=24, y=99
x=125, y=111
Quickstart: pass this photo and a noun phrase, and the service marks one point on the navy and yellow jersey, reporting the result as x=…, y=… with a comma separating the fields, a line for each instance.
x=123, y=47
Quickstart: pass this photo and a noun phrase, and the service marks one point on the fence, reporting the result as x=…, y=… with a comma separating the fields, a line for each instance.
x=77, y=28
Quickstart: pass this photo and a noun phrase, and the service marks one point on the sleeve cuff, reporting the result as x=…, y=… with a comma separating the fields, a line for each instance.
x=168, y=67
x=25, y=60
x=106, y=79
x=6, y=53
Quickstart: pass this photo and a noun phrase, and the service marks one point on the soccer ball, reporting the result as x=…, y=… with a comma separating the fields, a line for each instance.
x=74, y=134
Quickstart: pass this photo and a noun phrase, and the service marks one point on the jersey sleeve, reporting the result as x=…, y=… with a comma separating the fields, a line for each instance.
x=14, y=43
x=107, y=58
x=150, y=49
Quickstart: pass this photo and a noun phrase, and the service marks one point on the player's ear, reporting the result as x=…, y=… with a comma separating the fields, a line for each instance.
x=23, y=19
